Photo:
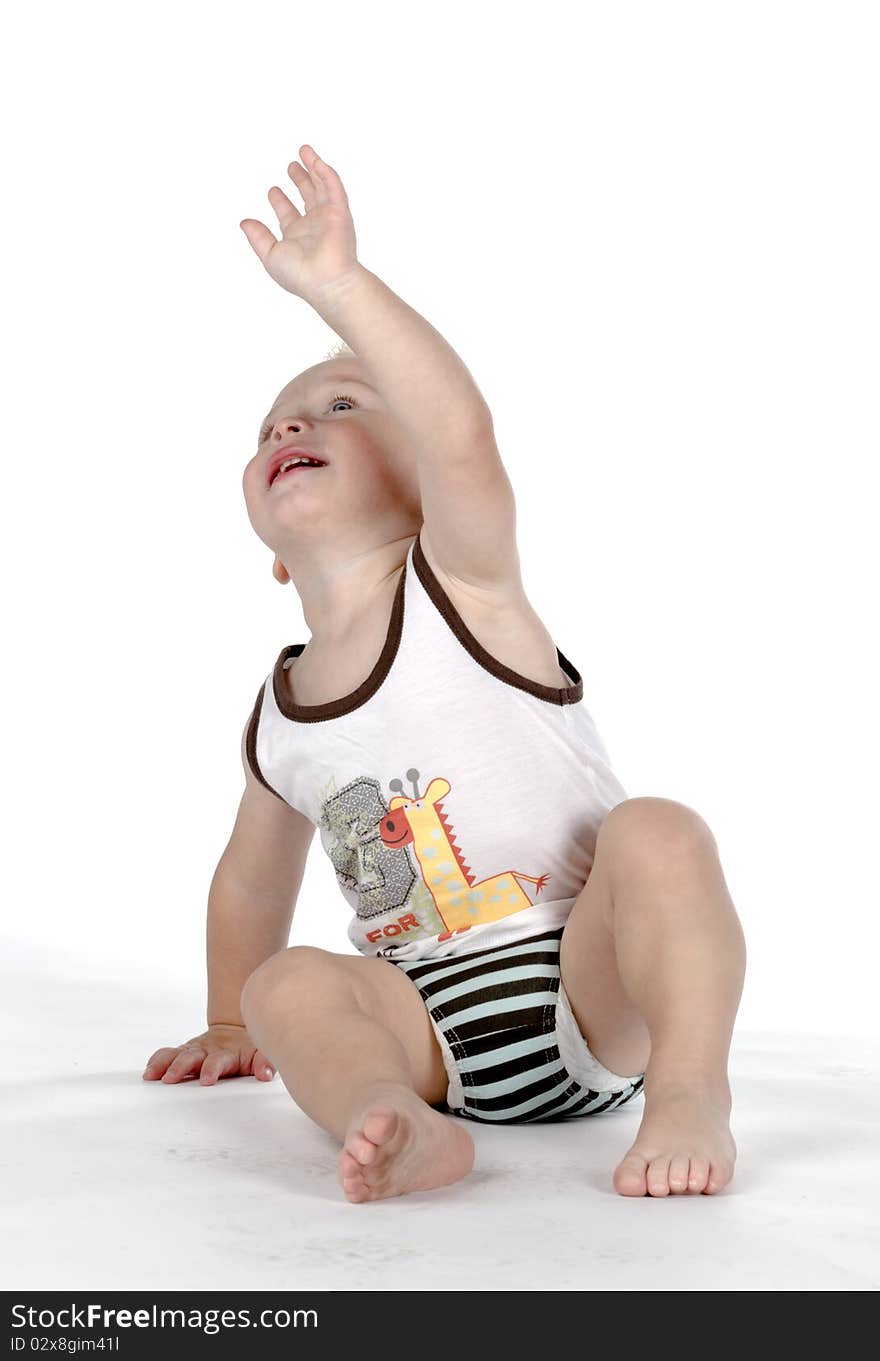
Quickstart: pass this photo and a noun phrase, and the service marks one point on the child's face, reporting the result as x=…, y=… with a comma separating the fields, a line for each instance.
x=369, y=482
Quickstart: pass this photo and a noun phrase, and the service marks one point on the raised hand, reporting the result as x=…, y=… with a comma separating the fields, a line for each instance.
x=317, y=248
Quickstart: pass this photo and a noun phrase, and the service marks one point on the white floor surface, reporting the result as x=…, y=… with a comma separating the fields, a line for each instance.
x=114, y=1183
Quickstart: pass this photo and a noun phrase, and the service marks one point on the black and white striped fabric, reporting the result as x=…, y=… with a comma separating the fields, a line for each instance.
x=496, y=1012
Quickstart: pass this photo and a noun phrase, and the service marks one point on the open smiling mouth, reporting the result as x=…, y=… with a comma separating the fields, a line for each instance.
x=295, y=466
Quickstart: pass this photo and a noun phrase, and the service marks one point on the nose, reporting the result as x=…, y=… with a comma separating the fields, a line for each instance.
x=289, y=425
x=395, y=832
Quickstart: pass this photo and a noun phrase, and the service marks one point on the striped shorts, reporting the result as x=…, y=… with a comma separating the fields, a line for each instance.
x=511, y=1045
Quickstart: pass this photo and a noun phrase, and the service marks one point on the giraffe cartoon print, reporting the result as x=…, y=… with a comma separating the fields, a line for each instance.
x=461, y=901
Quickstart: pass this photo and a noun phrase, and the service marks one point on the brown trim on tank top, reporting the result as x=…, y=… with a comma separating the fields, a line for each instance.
x=251, y=746
x=335, y=708
x=570, y=694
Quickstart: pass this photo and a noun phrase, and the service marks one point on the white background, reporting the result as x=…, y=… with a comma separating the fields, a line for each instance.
x=651, y=233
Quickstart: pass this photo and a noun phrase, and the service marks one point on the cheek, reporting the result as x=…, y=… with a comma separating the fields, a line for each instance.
x=392, y=483
x=405, y=475
x=249, y=478
x=253, y=500
x=369, y=467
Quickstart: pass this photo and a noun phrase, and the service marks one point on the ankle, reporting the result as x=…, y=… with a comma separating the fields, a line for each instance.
x=665, y=1083
x=378, y=1090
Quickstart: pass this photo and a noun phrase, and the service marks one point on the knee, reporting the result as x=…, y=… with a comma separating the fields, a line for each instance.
x=660, y=830
x=286, y=975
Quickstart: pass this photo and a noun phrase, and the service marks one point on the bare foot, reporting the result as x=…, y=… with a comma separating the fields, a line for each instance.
x=397, y=1143
x=684, y=1144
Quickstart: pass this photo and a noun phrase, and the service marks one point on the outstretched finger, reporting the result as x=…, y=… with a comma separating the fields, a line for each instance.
x=259, y=236
x=308, y=185
x=158, y=1062
x=325, y=177
x=187, y=1061
x=217, y=1066
x=286, y=212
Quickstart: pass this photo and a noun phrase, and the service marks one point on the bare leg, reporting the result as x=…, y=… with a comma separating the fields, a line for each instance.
x=355, y=1049
x=653, y=964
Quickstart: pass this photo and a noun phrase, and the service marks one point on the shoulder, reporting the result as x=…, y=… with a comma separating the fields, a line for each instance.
x=259, y=800
x=497, y=620
x=497, y=586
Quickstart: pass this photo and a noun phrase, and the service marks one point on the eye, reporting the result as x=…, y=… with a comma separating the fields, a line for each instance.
x=340, y=397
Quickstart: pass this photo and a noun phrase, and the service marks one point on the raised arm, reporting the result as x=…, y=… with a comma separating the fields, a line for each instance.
x=467, y=500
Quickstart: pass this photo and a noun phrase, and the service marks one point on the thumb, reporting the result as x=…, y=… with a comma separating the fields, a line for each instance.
x=261, y=1067
x=259, y=236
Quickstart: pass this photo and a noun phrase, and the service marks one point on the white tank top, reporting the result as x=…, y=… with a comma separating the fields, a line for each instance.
x=458, y=801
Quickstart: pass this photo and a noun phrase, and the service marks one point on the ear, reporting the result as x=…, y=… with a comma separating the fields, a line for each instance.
x=279, y=571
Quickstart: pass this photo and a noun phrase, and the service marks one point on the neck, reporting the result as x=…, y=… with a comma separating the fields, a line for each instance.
x=341, y=587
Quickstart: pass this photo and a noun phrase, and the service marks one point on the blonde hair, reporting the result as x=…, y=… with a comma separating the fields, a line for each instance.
x=340, y=349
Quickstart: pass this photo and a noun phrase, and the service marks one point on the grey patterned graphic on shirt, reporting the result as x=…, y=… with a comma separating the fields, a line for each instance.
x=382, y=876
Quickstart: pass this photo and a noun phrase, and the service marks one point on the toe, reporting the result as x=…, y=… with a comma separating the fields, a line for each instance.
x=679, y=1170
x=658, y=1177
x=348, y=1165
x=380, y=1126
x=376, y=1184
x=352, y=1177
x=629, y=1175
x=718, y=1176
x=362, y=1149
x=699, y=1174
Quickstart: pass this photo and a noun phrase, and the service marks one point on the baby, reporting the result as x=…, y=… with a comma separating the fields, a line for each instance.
x=532, y=944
